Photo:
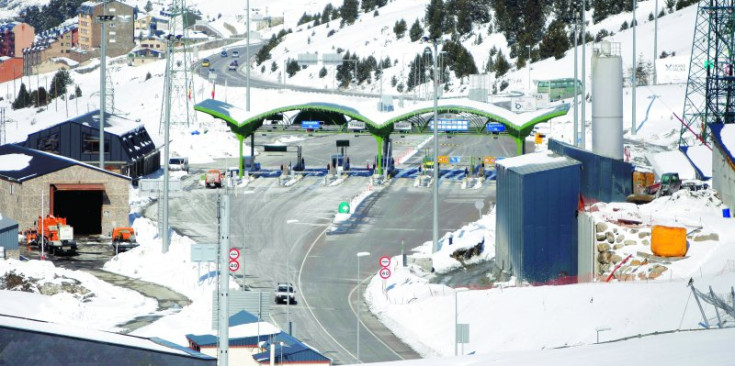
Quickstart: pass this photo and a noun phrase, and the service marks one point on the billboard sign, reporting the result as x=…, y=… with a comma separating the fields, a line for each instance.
x=451, y=125
x=402, y=126
x=310, y=125
x=672, y=70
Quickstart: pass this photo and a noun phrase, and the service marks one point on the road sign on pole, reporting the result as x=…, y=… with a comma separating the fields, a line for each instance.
x=385, y=261
x=442, y=159
x=384, y=273
x=344, y=207
x=234, y=254
x=234, y=266
x=454, y=159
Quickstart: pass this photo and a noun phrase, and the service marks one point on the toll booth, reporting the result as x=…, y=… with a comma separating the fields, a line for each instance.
x=340, y=163
x=249, y=164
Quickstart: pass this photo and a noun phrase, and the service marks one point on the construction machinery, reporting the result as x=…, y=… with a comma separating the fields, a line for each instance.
x=668, y=185
x=53, y=234
x=214, y=178
x=123, y=239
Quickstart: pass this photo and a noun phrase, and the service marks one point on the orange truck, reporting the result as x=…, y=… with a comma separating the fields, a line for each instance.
x=214, y=178
x=54, y=234
x=123, y=239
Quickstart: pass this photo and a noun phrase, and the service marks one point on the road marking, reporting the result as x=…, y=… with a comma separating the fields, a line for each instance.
x=306, y=303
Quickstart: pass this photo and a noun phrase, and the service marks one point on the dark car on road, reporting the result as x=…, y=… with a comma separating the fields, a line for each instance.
x=233, y=65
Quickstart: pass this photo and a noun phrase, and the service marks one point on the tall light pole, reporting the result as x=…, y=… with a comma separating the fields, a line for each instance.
x=359, y=254
x=575, y=136
x=632, y=78
x=167, y=120
x=247, y=63
x=655, y=42
x=529, y=69
x=435, y=190
x=583, y=126
x=103, y=19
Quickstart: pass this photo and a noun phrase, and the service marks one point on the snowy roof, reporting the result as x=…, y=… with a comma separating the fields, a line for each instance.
x=243, y=334
x=366, y=111
x=114, y=124
x=534, y=162
x=93, y=335
x=724, y=135
x=701, y=159
x=293, y=353
x=22, y=163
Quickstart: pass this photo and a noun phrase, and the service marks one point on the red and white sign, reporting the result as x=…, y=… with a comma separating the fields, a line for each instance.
x=384, y=261
x=234, y=266
x=234, y=254
x=384, y=273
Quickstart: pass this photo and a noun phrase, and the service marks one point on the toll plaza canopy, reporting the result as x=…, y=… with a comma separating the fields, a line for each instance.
x=381, y=123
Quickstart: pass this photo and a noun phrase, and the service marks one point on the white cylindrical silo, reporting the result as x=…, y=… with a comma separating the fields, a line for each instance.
x=607, y=100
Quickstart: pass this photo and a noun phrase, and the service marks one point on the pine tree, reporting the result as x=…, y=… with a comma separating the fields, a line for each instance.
x=501, y=65
x=41, y=97
x=400, y=28
x=148, y=6
x=59, y=82
x=292, y=67
x=348, y=11
x=435, y=18
x=555, y=43
x=322, y=72
x=416, y=31
x=327, y=13
x=368, y=5
x=23, y=99
x=78, y=91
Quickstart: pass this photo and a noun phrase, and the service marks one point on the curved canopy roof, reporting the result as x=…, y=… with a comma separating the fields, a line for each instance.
x=244, y=122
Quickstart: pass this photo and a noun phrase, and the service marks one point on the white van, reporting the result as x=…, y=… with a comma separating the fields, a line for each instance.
x=178, y=163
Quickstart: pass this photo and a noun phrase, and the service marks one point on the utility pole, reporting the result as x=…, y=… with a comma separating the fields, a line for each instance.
x=632, y=77
x=575, y=136
x=223, y=325
x=166, y=146
x=583, y=128
x=103, y=19
x=655, y=42
x=247, y=63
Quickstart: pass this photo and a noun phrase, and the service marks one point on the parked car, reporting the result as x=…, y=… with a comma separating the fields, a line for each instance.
x=179, y=163
x=236, y=53
x=233, y=65
x=205, y=62
x=223, y=53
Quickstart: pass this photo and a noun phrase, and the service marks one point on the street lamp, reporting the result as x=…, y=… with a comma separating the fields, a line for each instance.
x=456, y=316
x=435, y=191
x=359, y=254
x=632, y=129
x=529, y=69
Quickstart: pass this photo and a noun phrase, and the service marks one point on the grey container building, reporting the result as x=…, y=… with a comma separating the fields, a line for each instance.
x=8, y=238
x=603, y=179
x=536, y=223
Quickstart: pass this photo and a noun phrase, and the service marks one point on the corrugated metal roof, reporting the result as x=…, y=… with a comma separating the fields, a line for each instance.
x=537, y=162
x=41, y=163
x=295, y=353
x=728, y=147
x=6, y=222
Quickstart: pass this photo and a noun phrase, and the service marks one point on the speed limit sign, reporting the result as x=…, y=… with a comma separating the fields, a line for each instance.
x=384, y=273
x=234, y=266
x=385, y=261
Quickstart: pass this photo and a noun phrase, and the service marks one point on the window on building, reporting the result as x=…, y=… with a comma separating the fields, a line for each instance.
x=91, y=144
x=48, y=143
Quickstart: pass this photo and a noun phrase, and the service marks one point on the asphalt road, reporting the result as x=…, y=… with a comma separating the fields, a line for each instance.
x=281, y=233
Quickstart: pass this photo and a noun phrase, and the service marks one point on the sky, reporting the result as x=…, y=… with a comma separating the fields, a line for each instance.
x=511, y=324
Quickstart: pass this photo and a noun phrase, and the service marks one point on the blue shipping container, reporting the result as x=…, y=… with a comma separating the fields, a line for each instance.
x=603, y=179
x=536, y=224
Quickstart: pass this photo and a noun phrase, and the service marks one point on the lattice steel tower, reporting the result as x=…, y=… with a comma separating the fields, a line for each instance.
x=710, y=95
x=182, y=80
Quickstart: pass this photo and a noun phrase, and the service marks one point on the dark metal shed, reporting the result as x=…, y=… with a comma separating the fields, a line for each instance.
x=536, y=224
x=603, y=179
x=8, y=235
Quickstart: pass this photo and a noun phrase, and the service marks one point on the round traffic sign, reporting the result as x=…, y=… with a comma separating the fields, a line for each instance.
x=384, y=273
x=479, y=204
x=234, y=253
x=234, y=266
x=384, y=261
